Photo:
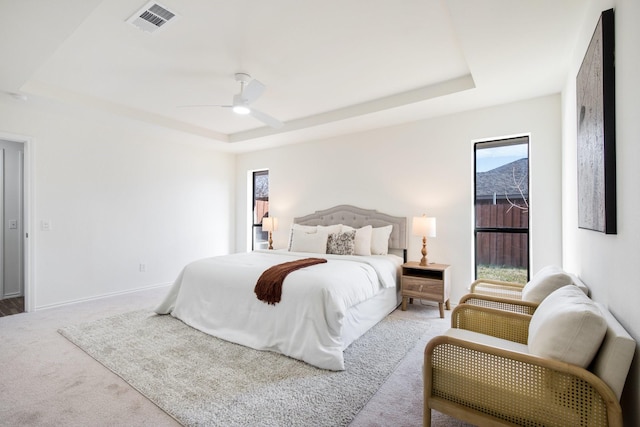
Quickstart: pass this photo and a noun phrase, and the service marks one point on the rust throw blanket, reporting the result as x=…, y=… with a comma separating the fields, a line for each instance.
x=269, y=285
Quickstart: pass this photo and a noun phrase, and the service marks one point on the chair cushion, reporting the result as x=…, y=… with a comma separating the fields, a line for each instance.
x=567, y=326
x=615, y=355
x=579, y=283
x=545, y=281
x=489, y=340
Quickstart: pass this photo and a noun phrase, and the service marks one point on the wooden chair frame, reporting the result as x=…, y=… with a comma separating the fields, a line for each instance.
x=497, y=288
x=492, y=386
x=509, y=304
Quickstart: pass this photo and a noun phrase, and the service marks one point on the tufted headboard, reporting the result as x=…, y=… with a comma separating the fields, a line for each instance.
x=357, y=217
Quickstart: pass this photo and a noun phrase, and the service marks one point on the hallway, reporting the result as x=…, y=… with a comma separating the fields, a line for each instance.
x=11, y=306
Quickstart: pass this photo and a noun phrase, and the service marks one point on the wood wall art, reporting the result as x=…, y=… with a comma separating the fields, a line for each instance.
x=596, y=134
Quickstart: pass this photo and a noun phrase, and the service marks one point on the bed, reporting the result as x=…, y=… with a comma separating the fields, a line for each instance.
x=323, y=307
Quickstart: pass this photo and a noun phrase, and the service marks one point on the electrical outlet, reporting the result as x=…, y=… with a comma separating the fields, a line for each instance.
x=143, y=268
x=13, y=224
x=45, y=225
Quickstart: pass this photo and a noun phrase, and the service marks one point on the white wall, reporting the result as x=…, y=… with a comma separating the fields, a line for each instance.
x=421, y=167
x=117, y=194
x=607, y=262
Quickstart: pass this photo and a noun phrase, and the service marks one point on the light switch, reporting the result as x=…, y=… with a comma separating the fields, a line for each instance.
x=45, y=225
x=13, y=224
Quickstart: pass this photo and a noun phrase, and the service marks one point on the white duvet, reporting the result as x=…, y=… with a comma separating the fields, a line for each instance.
x=216, y=295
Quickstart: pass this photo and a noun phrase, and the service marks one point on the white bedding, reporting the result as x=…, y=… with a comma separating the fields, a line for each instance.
x=216, y=295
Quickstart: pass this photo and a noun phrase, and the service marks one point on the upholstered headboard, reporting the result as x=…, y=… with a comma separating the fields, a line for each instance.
x=357, y=217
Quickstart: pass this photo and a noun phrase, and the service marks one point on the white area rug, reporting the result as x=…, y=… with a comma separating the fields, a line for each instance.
x=204, y=381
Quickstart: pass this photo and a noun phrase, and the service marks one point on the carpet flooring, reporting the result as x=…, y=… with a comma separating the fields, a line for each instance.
x=47, y=380
x=201, y=380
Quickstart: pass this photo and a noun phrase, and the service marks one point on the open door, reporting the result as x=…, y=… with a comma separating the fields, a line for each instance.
x=12, y=232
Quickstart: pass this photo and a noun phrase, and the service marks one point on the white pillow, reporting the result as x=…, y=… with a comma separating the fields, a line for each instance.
x=330, y=229
x=545, y=281
x=567, y=326
x=363, y=239
x=304, y=228
x=380, y=240
x=308, y=242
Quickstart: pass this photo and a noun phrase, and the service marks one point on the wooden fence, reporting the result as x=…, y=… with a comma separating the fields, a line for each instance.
x=502, y=249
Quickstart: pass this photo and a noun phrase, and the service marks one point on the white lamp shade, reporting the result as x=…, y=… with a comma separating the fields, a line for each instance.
x=269, y=224
x=424, y=226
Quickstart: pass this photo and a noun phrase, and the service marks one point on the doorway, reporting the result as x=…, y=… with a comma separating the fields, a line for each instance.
x=13, y=230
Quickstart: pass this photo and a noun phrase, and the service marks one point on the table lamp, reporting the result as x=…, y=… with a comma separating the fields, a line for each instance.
x=270, y=224
x=425, y=227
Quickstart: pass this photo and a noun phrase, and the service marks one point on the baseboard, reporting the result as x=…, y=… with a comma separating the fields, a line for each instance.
x=98, y=297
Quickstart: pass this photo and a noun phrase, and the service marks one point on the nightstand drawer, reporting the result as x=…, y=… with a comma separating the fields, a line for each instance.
x=415, y=284
x=421, y=288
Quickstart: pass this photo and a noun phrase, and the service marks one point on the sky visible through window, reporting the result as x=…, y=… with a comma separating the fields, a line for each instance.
x=491, y=158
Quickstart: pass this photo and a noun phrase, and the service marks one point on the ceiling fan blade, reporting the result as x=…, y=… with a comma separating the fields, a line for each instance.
x=253, y=91
x=204, y=105
x=266, y=119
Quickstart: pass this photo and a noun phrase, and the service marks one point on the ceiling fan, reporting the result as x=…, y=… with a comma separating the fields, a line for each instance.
x=250, y=91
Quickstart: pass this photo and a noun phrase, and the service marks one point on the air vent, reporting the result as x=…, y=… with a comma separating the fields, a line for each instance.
x=151, y=17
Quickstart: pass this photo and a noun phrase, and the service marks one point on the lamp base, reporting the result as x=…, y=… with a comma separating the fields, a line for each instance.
x=423, y=261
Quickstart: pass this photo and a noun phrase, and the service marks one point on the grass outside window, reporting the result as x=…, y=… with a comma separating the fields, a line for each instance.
x=501, y=272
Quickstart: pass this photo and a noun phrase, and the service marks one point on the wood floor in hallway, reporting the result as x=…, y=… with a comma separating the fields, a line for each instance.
x=11, y=306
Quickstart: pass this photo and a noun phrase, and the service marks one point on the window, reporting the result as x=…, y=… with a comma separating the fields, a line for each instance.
x=260, y=209
x=501, y=199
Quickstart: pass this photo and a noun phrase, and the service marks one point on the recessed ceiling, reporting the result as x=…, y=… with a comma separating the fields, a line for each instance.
x=329, y=66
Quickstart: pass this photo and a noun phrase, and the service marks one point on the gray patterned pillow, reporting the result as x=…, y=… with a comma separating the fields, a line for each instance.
x=342, y=243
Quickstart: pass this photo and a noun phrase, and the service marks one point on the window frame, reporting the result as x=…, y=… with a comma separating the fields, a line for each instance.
x=254, y=224
x=493, y=143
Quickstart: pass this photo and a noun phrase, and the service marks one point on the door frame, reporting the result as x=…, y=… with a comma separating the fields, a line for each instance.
x=27, y=212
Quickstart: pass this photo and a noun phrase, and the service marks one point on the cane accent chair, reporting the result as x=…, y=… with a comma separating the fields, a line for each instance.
x=497, y=367
x=518, y=297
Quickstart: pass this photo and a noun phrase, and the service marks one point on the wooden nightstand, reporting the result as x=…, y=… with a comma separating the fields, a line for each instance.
x=431, y=282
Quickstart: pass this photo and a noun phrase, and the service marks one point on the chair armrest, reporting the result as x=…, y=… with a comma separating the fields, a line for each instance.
x=489, y=385
x=503, y=324
x=497, y=288
x=509, y=304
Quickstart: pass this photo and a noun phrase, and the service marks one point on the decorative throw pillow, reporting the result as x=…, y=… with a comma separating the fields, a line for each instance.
x=308, y=242
x=380, y=240
x=567, y=326
x=341, y=243
x=363, y=239
x=545, y=281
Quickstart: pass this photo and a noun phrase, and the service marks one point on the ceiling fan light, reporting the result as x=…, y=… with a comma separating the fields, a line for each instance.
x=241, y=109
